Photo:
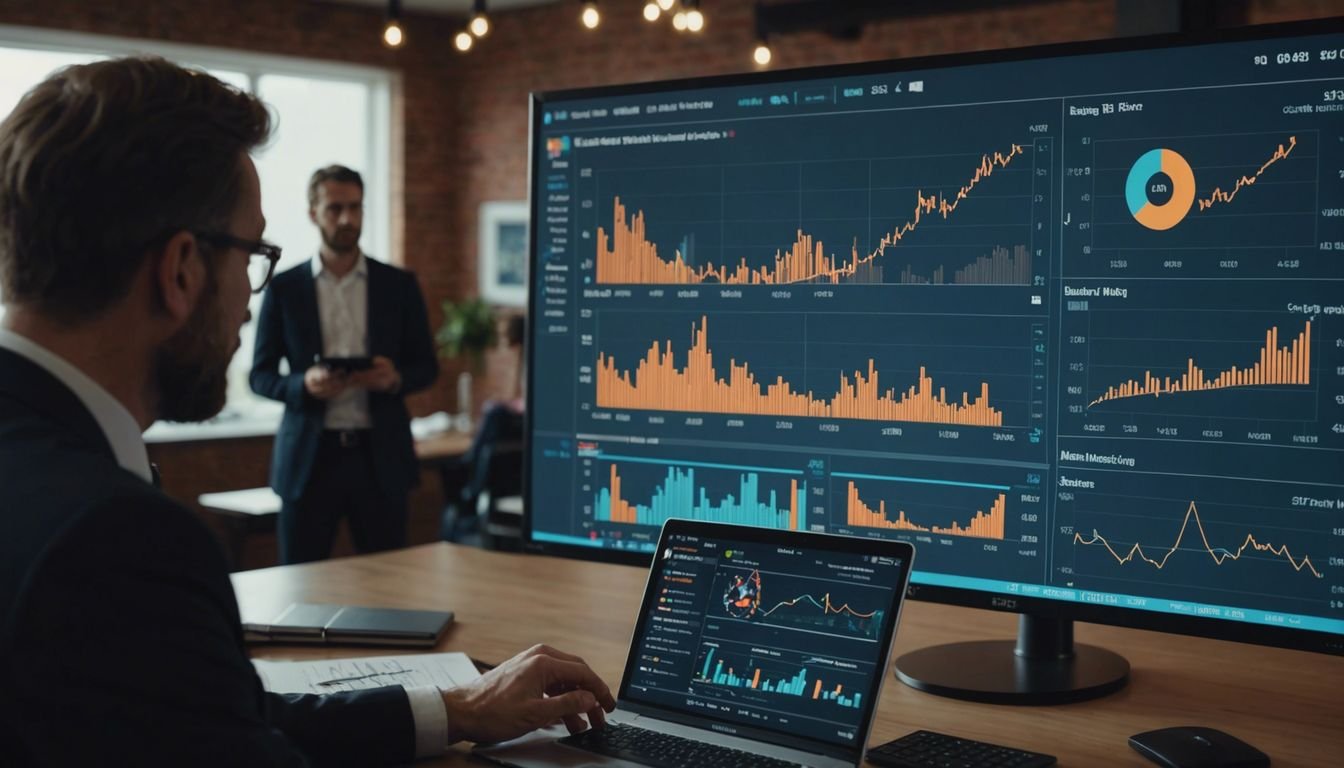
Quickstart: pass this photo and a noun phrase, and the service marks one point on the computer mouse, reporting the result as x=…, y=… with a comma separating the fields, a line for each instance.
x=1193, y=746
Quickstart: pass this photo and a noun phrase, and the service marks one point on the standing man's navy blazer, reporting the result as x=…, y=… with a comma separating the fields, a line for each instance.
x=120, y=642
x=288, y=328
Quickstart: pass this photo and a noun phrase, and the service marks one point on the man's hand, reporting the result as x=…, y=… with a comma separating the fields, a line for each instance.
x=323, y=383
x=531, y=690
x=382, y=376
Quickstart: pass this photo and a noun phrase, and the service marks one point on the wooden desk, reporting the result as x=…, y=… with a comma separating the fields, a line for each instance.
x=1288, y=703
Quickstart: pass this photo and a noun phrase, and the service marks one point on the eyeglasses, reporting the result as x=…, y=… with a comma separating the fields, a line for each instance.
x=262, y=256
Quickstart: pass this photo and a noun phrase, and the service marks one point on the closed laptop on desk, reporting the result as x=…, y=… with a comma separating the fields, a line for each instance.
x=771, y=643
x=355, y=625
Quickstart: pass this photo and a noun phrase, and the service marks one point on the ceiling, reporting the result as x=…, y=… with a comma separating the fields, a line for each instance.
x=446, y=7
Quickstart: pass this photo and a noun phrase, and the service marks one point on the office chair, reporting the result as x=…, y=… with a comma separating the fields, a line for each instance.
x=491, y=469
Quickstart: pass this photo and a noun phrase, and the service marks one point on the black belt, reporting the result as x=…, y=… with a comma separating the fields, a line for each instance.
x=347, y=438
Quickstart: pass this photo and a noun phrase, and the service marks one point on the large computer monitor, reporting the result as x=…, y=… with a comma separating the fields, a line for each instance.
x=1070, y=319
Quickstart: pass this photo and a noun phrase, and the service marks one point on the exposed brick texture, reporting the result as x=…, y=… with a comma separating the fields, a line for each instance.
x=461, y=120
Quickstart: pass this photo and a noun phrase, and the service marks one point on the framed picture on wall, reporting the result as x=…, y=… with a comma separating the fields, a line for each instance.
x=502, y=260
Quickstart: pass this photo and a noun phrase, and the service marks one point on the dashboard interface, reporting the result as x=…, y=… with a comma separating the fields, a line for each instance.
x=787, y=639
x=1074, y=325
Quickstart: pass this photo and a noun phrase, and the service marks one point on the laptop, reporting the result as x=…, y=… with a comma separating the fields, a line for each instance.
x=753, y=646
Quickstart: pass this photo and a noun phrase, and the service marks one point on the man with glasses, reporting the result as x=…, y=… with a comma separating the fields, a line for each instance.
x=130, y=226
x=355, y=335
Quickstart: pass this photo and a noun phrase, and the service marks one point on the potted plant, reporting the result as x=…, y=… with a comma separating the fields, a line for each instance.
x=469, y=329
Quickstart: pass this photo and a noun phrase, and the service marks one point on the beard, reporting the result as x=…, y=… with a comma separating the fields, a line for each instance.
x=191, y=368
x=341, y=239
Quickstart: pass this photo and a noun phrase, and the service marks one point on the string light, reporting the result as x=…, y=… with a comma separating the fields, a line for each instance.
x=652, y=11
x=590, y=17
x=463, y=41
x=480, y=23
x=761, y=54
x=679, y=20
x=695, y=20
x=393, y=34
x=666, y=5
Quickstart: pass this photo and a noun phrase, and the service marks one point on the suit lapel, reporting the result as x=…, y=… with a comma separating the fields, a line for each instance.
x=310, y=322
x=378, y=308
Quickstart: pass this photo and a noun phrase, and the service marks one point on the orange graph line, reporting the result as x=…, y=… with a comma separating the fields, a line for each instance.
x=1218, y=559
x=658, y=385
x=1277, y=366
x=632, y=258
x=826, y=608
x=1219, y=196
x=983, y=525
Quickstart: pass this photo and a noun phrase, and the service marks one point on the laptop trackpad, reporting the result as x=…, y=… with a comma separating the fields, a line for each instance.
x=540, y=749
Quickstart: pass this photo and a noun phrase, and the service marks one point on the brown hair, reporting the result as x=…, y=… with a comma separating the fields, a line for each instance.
x=102, y=161
x=338, y=173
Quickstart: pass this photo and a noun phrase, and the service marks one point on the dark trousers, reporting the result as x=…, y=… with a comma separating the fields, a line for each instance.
x=342, y=485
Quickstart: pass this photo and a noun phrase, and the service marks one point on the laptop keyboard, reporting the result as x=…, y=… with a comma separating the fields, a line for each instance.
x=661, y=750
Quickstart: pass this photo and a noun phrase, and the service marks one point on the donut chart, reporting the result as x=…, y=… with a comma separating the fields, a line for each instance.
x=1168, y=214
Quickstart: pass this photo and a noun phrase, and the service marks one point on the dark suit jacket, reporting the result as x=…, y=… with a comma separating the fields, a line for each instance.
x=120, y=642
x=289, y=328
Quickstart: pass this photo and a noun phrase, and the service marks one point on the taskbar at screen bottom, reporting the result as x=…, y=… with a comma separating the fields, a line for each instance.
x=1039, y=591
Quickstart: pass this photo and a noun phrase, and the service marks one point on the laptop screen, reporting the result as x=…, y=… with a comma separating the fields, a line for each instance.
x=760, y=630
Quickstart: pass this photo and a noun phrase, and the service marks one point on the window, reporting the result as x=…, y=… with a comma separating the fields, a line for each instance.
x=324, y=113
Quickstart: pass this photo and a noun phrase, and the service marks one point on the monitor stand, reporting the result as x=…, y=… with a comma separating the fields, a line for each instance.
x=1043, y=667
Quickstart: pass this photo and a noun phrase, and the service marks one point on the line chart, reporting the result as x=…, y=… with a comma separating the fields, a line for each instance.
x=1219, y=196
x=1219, y=555
x=625, y=255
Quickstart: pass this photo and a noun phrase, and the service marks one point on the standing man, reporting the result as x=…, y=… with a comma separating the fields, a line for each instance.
x=344, y=448
x=130, y=241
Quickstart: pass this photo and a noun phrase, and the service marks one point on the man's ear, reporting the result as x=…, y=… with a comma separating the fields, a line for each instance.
x=179, y=275
x=312, y=215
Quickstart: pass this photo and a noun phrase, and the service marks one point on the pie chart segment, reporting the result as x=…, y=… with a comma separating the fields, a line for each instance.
x=1144, y=179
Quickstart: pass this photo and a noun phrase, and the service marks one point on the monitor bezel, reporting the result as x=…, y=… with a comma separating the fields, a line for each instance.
x=1221, y=629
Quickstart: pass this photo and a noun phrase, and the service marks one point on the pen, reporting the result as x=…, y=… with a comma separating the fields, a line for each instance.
x=338, y=680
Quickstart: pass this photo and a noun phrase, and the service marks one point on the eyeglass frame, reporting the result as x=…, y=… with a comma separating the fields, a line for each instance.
x=253, y=248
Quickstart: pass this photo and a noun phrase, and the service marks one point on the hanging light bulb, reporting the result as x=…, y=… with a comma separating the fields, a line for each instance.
x=652, y=11
x=463, y=41
x=666, y=5
x=679, y=20
x=480, y=23
x=762, y=54
x=393, y=34
x=694, y=19
x=590, y=17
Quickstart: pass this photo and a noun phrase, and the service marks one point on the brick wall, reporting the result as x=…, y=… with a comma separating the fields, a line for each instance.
x=461, y=121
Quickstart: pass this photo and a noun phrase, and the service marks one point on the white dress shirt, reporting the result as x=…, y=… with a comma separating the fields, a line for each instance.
x=128, y=446
x=343, y=311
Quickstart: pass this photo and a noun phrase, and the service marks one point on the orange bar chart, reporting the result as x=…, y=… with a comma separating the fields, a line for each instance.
x=985, y=525
x=625, y=255
x=1278, y=366
x=657, y=384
